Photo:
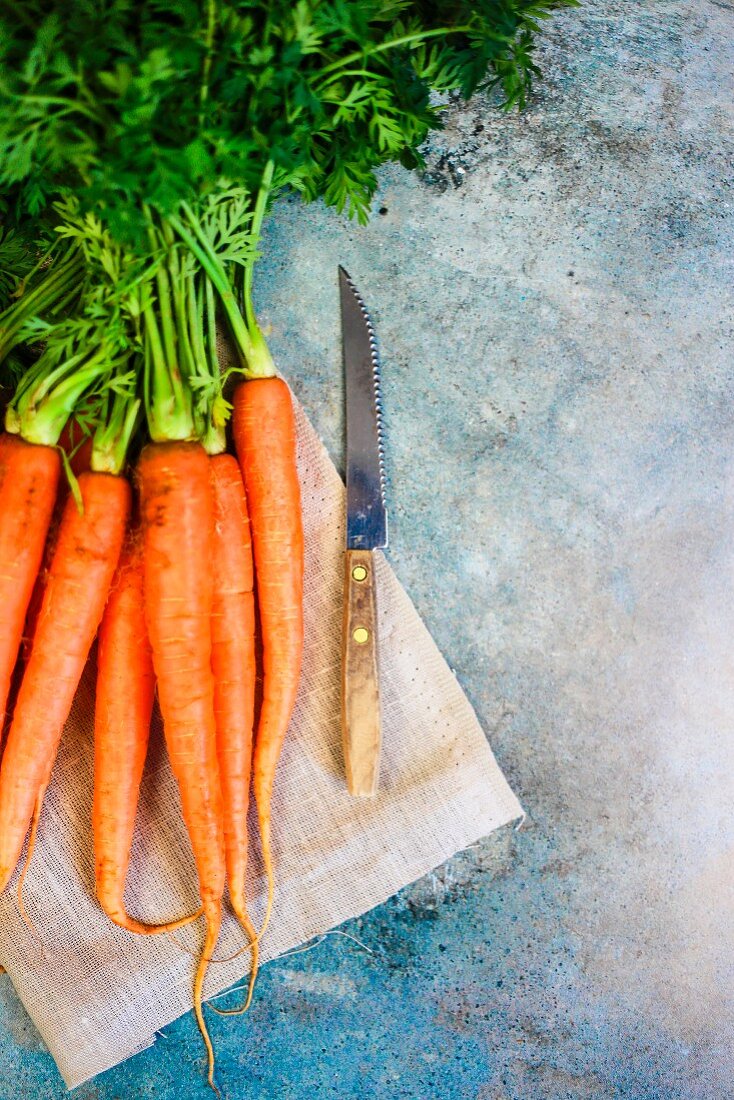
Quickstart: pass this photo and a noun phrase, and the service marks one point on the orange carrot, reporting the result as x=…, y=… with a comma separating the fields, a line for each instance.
x=124, y=704
x=83, y=565
x=178, y=525
x=6, y=445
x=78, y=449
x=233, y=665
x=29, y=475
x=265, y=440
x=35, y=603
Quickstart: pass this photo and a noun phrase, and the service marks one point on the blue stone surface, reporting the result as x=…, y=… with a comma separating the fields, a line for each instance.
x=554, y=302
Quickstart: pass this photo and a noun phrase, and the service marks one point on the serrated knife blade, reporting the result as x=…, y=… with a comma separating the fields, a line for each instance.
x=366, y=532
x=366, y=511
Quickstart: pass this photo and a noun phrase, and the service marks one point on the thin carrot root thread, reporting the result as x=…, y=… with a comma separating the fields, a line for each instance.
x=249, y=928
x=123, y=920
x=213, y=926
x=269, y=876
x=214, y=960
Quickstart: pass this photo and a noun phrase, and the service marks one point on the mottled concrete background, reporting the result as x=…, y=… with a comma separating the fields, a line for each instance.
x=554, y=302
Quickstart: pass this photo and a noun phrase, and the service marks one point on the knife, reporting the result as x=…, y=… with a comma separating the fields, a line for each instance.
x=366, y=532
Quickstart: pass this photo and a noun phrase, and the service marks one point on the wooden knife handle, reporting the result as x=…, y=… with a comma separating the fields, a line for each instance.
x=360, y=689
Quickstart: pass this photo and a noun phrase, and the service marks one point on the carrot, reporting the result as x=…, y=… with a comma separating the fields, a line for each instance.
x=78, y=449
x=124, y=704
x=265, y=440
x=6, y=445
x=86, y=555
x=35, y=603
x=79, y=453
x=29, y=475
x=178, y=523
x=233, y=665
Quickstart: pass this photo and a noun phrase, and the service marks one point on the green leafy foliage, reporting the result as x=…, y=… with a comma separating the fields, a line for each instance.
x=24, y=252
x=149, y=138
x=153, y=102
x=16, y=261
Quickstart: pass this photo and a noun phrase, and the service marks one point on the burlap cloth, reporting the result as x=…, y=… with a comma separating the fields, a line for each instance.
x=98, y=994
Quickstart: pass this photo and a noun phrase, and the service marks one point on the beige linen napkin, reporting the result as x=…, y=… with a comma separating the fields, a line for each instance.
x=98, y=994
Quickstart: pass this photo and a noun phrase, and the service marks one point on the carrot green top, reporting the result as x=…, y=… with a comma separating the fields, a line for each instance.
x=161, y=132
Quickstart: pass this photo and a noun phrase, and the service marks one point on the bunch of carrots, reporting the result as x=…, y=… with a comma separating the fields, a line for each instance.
x=124, y=518
x=148, y=141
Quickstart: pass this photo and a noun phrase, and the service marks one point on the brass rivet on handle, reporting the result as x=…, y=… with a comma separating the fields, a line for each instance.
x=360, y=635
x=359, y=573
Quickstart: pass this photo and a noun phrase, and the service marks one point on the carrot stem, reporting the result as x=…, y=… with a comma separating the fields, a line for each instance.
x=261, y=204
x=55, y=286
